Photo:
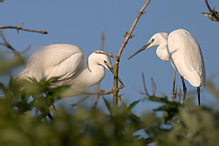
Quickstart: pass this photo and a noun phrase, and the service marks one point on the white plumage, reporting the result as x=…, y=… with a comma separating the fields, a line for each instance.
x=67, y=62
x=184, y=53
x=186, y=57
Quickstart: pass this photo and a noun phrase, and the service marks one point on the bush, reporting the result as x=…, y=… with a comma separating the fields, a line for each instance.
x=24, y=121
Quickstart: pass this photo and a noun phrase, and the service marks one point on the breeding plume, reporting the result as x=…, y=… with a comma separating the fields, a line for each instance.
x=67, y=62
x=184, y=53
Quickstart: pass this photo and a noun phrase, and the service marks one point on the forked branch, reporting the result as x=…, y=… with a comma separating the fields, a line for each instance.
x=213, y=15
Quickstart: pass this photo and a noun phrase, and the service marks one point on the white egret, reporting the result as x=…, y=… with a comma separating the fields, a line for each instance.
x=67, y=62
x=184, y=53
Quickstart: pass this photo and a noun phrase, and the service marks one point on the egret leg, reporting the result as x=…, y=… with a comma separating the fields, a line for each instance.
x=174, y=82
x=198, y=91
x=184, y=88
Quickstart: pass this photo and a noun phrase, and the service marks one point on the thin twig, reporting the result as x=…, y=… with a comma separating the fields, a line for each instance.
x=213, y=15
x=100, y=92
x=102, y=41
x=144, y=85
x=110, y=55
x=180, y=96
x=20, y=28
x=98, y=85
x=209, y=8
x=132, y=28
x=72, y=105
x=153, y=87
x=120, y=99
x=116, y=66
x=14, y=51
x=6, y=43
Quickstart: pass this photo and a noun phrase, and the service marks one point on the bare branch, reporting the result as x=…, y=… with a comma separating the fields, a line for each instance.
x=116, y=66
x=140, y=91
x=144, y=85
x=98, y=85
x=213, y=15
x=128, y=36
x=20, y=28
x=14, y=52
x=88, y=94
x=102, y=41
x=153, y=87
x=110, y=55
x=73, y=105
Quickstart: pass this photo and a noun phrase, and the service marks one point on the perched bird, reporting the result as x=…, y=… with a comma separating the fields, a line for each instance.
x=182, y=50
x=67, y=62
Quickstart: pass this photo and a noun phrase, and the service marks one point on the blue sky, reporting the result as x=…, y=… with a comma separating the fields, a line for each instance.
x=82, y=22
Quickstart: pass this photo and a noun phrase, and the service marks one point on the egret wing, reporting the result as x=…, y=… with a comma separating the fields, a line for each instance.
x=67, y=68
x=186, y=57
x=58, y=60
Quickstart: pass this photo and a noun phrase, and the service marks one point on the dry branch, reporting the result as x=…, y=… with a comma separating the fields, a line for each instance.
x=116, y=66
x=110, y=55
x=98, y=85
x=213, y=15
x=144, y=85
x=20, y=28
x=14, y=51
x=88, y=94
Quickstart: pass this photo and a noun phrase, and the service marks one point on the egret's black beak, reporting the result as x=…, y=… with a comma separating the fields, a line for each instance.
x=143, y=48
x=111, y=70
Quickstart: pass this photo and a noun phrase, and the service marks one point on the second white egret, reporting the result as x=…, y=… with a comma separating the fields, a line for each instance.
x=182, y=50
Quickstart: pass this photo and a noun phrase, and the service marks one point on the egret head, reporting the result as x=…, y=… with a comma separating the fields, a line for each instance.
x=98, y=57
x=155, y=40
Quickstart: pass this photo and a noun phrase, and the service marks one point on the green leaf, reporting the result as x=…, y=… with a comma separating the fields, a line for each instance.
x=158, y=99
x=13, y=87
x=132, y=105
x=110, y=109
x=168, y=107
x=6, y=92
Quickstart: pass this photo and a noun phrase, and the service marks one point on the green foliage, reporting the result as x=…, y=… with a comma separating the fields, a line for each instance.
x=24, y=120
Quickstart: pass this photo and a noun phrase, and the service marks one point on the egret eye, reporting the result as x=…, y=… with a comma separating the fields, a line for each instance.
x=152, y=40
x=104, y=61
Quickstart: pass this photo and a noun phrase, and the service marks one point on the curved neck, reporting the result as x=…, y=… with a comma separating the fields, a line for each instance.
x=90, y=77
x=162, y=52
